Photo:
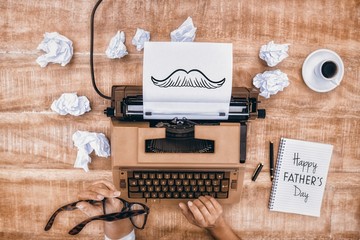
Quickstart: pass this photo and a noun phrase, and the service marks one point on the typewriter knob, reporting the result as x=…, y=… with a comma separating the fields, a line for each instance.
x=261, y=113
x=109, y=112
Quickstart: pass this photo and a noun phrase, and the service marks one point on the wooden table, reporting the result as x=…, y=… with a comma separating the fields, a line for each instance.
x=37, y=153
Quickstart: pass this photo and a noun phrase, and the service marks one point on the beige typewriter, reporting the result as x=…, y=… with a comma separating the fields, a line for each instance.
x=180, y=158
x=173, y=150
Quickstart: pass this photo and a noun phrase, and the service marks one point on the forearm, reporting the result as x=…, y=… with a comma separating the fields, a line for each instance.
x=222, y=231
x=118, y=229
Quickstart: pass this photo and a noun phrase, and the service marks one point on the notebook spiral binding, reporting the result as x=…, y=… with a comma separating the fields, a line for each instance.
x=277, y=172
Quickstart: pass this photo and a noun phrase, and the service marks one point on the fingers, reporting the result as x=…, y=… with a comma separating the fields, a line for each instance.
x=88, y=209
x=99, y=190
x=97, y=194
x=113, y=205
x=104, y=191
x=215, y=205
x=203, y=212
x=197, y=210
x=108, y=184
x=186, y=212
x=207, y=206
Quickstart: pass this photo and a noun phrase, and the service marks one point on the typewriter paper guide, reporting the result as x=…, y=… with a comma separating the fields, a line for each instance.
x=186, y=79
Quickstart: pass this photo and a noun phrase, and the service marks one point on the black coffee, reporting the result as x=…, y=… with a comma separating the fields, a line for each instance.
x=328, y=69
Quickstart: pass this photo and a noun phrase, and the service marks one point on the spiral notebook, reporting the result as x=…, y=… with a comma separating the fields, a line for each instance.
x=300, y=177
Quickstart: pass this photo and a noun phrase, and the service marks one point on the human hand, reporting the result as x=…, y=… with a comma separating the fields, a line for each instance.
x=99, y=190
x=206, y=212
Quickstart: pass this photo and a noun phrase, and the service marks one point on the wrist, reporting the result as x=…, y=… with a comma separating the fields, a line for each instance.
x=130, y=236
x=222, y=231
x=220, y=224
x=118, y=229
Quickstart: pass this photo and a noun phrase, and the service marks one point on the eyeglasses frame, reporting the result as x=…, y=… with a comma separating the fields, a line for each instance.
x=124, y=213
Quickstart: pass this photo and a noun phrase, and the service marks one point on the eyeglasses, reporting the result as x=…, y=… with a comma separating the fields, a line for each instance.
x=136, y=212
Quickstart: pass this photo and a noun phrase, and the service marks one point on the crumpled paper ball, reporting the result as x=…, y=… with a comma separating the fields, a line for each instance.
x=185, y=33
x=86, y=142
x=270, y=82
x=273, y=53
x=70, y=103
x=141, y=36
x=58, y=49
x=117, y=48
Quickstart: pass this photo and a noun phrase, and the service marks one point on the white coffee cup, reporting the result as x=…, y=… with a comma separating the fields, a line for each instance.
x=328, y=70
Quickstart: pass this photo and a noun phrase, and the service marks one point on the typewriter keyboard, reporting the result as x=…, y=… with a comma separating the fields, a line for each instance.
x=156, y=184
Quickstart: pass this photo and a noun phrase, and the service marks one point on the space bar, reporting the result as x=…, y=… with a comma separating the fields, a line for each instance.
x=135, y=195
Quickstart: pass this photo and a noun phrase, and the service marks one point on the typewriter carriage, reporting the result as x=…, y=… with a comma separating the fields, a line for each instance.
x=126, y=104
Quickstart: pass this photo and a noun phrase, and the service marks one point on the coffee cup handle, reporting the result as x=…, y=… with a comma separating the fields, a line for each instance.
x=334, y=82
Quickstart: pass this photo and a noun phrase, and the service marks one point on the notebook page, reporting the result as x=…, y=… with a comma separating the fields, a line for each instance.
x=300, y=177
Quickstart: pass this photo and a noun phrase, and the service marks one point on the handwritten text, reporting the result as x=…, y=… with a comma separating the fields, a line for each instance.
x=306, y=165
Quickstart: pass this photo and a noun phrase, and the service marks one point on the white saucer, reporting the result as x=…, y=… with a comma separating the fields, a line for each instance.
x=313, y=60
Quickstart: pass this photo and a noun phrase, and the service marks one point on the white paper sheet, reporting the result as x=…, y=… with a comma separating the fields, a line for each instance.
x=186, y=79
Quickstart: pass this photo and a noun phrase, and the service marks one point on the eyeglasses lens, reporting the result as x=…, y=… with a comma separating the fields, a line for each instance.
x=113, y=206
x=138, y=220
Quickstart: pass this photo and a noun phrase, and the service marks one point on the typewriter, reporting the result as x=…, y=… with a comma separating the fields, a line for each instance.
x=177, y=159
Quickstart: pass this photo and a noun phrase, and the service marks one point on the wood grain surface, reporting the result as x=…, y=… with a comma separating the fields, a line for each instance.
x=37, y=153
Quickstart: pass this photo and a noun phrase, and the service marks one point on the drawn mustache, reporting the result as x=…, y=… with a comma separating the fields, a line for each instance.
x=182, y=78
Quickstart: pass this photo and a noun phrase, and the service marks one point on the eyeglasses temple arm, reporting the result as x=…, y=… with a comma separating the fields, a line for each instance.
x=52, y=219
x=108, y=218
x=67, y=207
